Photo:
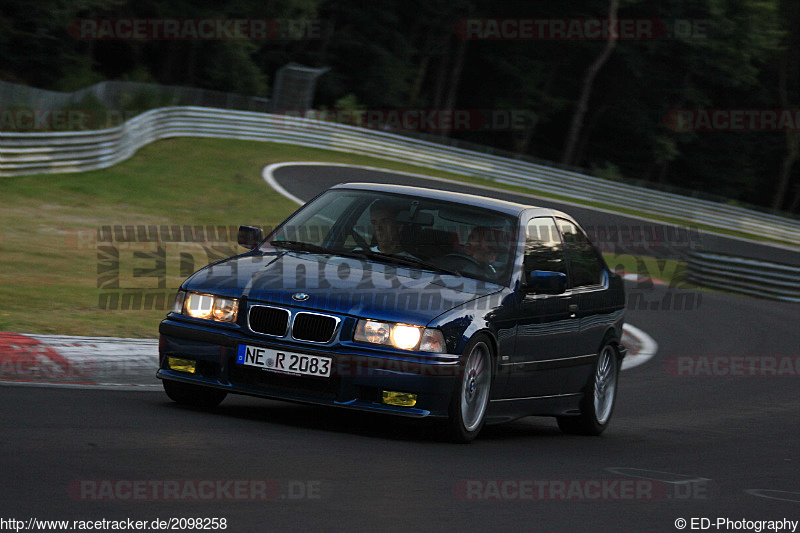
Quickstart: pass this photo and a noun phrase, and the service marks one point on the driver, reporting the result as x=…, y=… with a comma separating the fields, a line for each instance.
x=383, y=217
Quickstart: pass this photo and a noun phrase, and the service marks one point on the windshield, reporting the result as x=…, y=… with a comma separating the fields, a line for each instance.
x=454, y=238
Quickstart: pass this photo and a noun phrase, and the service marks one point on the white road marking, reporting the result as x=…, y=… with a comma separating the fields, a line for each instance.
x=782, y=495
x=266, y=173
x=658, y=475
x=645, y=346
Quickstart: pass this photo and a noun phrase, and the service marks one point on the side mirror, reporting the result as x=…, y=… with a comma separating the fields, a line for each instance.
x=546, y=282
x=250, y=236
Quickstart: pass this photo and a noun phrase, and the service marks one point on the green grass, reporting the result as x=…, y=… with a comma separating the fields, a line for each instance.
x=49, y=257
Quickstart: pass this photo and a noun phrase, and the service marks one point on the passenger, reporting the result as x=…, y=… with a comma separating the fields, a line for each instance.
x=482, y=245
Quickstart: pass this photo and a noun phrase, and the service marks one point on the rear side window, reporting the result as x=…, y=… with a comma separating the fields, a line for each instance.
x=586, y=265
x=543, y=247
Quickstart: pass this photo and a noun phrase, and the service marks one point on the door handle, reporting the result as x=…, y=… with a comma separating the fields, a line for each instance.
x=573, y=309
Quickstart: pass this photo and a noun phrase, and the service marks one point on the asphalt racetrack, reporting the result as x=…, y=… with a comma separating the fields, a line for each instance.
x=707, y=429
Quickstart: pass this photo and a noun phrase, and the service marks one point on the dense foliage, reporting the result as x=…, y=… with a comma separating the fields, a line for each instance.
x=601, y=104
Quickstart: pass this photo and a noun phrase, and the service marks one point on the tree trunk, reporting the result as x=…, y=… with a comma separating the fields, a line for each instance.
x=594, y=120
x=792, y=139
x=441, y=79
x=795, y=207
x=660, y=167
x=586, y=91
x=523, y=143
x=416, y=87
x=663, y=171
x=455, y=75
x=455, y=80
x=789, y=159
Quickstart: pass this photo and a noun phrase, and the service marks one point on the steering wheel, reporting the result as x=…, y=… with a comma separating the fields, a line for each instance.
x=463, y=257
x=471, y=265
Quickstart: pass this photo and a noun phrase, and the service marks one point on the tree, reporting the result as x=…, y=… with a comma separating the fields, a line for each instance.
x=586, y=89
x=789, y=94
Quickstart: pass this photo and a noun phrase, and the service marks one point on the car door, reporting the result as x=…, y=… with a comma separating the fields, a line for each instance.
x=544, y=323
x=592, y=303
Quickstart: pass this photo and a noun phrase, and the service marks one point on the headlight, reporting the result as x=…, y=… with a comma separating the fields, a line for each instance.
x=402, y=336
x=207, y=306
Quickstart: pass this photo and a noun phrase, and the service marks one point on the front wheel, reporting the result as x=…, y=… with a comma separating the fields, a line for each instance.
x=193, y=395
x=599, y=397
x=471, y=395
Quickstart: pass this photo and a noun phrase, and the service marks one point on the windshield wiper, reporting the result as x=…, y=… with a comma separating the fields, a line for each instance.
x=408, y=261
x=303, y=247
x=314, y=248
x=366, y=254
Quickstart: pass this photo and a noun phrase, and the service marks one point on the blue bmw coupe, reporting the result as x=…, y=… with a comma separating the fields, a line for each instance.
x=411, y=302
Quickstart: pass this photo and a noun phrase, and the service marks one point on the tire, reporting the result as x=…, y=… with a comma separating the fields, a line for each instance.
x=599, y=396
x=193, y=395
x=472, y=391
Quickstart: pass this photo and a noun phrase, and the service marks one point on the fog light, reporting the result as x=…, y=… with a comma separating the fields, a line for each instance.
x=182, y=365
x=401, y=399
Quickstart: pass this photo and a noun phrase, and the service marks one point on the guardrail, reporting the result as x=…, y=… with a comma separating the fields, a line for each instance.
x=55, y=152
x=748, y=276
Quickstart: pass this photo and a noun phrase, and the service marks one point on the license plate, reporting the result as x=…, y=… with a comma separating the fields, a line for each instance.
x=284, y=362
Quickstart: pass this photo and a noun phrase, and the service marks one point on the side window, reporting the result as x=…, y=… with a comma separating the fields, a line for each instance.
x=543, y=247
x=586, y=266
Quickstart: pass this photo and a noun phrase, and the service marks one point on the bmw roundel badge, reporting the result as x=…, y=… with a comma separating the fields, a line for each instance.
x=300, y=296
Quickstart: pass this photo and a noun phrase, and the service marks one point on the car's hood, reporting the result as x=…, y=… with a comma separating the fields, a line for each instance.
x=338, y=284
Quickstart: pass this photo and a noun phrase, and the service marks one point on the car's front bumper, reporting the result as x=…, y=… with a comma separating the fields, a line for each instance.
x=357, y=380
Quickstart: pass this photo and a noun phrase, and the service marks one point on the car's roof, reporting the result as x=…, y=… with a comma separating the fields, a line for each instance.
x=503, y=206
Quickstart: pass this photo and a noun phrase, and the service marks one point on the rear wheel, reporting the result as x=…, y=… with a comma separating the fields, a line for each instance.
x=471, y=395
x=193, y=395
x=599, y=397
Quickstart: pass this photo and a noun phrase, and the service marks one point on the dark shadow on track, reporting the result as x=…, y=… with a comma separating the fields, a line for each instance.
x=358, y=423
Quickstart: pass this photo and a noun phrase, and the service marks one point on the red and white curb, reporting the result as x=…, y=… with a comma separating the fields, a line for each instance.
x=79, y=362
x=637, y=278
x=130, y=364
